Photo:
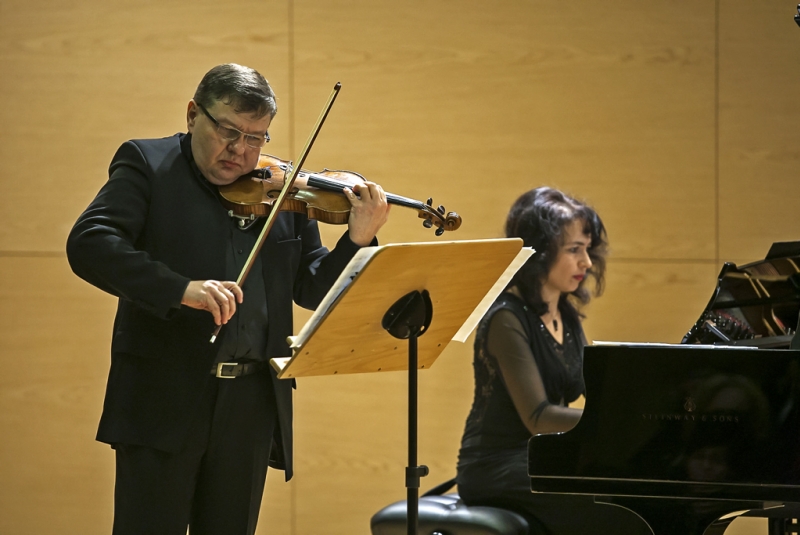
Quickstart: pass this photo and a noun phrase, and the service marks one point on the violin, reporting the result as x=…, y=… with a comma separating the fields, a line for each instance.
x=318, y=195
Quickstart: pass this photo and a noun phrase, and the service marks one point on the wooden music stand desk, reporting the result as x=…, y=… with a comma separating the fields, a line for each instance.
x=395, y=292
x=345, y=335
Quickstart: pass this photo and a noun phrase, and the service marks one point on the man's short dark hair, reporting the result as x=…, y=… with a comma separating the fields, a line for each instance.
x=238, y=86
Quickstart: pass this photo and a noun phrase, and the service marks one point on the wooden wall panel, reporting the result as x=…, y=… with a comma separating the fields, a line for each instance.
x=649, y=301
x=472, y=105
x=80, y=78
x=466, y=102
x=475, y=103
x=54, y=339
x=758, y=125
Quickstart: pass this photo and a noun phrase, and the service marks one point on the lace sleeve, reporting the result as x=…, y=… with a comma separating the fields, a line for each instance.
x=509, y=345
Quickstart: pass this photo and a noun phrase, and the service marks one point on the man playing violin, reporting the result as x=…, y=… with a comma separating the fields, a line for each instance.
x=195, y=425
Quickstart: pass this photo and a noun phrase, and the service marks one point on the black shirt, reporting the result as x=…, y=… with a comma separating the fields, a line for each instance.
x=244, y=337
x=517, y=359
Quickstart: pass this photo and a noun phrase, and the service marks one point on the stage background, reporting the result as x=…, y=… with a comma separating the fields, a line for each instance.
x=677, y=120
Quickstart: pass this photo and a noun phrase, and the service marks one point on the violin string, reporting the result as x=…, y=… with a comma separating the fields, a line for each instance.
x=334, y=185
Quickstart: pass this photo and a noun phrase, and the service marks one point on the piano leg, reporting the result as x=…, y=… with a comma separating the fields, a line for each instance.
x=683, y=516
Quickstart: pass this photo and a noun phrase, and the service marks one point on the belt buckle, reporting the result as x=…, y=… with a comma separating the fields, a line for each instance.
x=220, y=373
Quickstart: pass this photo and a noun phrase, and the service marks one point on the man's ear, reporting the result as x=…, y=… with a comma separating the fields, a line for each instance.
x=191, y=115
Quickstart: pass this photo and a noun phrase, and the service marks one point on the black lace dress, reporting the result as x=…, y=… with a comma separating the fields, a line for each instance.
x=524, y=379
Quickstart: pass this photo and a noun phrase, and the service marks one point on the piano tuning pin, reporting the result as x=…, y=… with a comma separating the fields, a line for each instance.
x=430, y=201
x=440, y=209
x=427, y=223
x=439, y=231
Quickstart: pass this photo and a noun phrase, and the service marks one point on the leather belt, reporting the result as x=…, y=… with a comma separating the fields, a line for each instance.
x=232, y=370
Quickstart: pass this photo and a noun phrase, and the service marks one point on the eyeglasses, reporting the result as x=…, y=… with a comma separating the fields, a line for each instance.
x=231, y=134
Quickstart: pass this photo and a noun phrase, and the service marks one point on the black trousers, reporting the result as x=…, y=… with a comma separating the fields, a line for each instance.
x=215, y=484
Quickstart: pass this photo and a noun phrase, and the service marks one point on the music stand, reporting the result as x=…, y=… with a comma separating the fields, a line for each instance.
x=402, y=291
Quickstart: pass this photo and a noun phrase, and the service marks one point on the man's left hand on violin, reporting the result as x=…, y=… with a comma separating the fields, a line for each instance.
x=370, y=211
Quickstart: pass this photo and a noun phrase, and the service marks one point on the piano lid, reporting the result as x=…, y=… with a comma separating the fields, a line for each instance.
x=756, y=304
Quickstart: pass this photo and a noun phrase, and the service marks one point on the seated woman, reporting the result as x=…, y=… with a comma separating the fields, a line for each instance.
x=528, y=365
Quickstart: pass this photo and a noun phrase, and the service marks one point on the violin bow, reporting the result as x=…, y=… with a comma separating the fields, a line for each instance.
x=287, y=186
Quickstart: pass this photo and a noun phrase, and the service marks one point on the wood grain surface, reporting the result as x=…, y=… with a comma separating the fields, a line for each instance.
x=676, y=120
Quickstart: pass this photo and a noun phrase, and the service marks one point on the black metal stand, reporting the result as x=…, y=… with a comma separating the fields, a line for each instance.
x=409, y=318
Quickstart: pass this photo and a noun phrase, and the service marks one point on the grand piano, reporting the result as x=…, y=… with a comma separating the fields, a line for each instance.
x=689, y=436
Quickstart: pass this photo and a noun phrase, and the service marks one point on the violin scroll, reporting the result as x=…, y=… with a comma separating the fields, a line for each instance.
x=439, y=218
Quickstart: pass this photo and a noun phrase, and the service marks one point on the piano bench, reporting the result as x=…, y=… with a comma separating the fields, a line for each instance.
x=447, y=515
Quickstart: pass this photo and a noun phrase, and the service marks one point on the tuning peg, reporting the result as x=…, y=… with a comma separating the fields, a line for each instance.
x=439, y=231
x=427, y=223
x=430, y=201
x=440, y=209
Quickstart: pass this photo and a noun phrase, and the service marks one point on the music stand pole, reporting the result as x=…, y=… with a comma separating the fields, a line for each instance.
x=409, y=317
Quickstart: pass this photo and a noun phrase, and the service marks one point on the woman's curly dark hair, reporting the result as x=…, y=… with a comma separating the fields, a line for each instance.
x=539, y=217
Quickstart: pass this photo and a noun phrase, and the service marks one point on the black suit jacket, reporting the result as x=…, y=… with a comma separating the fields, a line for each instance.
x=153, y=227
